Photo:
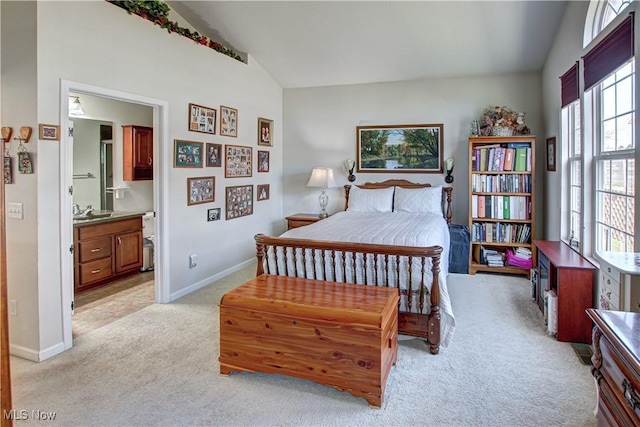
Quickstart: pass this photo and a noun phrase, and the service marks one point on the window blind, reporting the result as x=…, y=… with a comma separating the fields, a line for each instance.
x=608, y=55
x=569, y=86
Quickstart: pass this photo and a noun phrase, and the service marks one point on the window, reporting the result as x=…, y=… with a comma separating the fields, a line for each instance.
x=600, y=14
x=614, y=161
x=572, y=140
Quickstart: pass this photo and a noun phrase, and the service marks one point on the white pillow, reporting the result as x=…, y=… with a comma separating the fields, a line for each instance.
x=418, y=200
x=370, y=200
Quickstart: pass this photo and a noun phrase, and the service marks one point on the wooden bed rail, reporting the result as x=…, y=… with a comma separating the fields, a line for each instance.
x=379, y=265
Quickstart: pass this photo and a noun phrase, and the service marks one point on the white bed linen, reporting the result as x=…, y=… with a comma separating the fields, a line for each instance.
x=390, y=228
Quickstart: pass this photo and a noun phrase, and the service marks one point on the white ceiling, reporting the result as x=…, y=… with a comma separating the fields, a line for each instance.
x=325, y=43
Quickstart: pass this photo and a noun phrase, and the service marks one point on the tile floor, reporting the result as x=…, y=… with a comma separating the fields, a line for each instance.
x=99, y=307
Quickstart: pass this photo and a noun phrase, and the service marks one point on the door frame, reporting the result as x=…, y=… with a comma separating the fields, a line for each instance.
x=160, y=196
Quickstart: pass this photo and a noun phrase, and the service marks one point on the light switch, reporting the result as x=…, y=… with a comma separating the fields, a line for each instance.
x=15, y=210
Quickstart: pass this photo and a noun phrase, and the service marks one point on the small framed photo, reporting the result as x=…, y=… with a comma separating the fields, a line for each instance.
x=202, y=119
x=263, y=192
x=8, y=178
x=213, y=214
x=228, y=121
x=239, y=201
x=551, y=154
x=214, y=155
x=50, y=132
x=263, y=161
x=265, y=132
x=238, y=160
x=187, y=154
x=200, y=190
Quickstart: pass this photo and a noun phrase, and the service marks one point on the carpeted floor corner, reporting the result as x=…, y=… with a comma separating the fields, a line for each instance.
x=158, y=367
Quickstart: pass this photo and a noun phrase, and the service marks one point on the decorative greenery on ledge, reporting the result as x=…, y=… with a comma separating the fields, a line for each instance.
x=158, y=12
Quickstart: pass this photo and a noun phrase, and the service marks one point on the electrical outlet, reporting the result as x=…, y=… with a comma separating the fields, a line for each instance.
x=15, y=210
x=193, y=260
x=13, y=307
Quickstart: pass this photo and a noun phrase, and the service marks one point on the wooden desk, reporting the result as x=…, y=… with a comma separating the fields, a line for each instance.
x=572, y=278
x=619, y=281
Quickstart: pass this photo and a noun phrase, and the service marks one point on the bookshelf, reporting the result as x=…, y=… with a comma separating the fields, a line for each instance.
x=501, y=202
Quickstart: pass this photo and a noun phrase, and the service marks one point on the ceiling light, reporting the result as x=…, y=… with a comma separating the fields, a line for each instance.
x=75, y=108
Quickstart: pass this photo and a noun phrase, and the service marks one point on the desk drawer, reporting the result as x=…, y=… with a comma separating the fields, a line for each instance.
x=624, y=384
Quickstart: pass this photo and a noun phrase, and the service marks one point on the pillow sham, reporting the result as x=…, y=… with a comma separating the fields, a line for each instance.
x=370, y=200
x=418, y=200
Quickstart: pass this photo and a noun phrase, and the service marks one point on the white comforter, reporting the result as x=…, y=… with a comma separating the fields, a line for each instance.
x=390, y=228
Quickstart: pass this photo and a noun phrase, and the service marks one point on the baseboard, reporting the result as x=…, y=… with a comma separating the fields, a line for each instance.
x=34, y=355
x=202, y=283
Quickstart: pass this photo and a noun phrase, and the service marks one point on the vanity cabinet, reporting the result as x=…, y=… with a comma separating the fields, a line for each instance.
x=137, y=153
x=105, y=251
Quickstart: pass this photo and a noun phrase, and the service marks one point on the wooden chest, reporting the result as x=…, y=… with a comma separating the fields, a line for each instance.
x=616, y=366
x=336, y=334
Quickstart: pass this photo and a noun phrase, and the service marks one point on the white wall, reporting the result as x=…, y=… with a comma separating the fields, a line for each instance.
x=320, y=128
x=566, y=50
x=96, y=43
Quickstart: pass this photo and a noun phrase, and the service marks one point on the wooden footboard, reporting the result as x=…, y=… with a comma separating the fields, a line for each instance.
x=403, y=267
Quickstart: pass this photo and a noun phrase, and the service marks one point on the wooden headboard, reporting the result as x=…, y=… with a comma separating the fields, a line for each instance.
x=446, y=192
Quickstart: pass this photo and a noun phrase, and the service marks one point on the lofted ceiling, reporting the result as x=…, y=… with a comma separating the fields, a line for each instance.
x=326, y=43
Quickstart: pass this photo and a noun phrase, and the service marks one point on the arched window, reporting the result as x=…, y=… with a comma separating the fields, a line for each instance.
x=599, y=15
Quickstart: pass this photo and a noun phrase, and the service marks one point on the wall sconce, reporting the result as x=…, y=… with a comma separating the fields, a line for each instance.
x=448, y=165
x=349, y=165
x=322, y=178
x=75, y=108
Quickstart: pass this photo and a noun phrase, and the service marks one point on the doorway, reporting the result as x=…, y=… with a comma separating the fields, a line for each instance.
x=160, y=182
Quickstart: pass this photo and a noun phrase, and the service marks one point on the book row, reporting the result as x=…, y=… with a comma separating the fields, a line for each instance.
x=512, y=157
x=501, y=183
x=501, y=207
x=496, y=232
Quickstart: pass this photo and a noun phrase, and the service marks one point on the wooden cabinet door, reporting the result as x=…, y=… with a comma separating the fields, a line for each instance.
x=142, y=147
x=128, y=251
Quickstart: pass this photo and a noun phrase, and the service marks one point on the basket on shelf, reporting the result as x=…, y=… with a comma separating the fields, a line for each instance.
x=502, y=131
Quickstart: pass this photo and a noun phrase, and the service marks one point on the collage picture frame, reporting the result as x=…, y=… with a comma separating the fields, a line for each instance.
x=187, y=154
x=238, y=161
x=202, y=119
x=239, y=201
x=228, y=121
x=200, y=190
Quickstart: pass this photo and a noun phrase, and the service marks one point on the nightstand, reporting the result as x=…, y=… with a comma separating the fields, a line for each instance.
x=301, y=219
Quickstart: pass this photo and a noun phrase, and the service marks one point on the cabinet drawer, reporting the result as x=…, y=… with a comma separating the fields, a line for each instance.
x=624, y=383
x=613, y=272
x=610, y=282
x=609, y=292
x=94, y=249
x=295, y=223
x=109, y=227
x=95, y=270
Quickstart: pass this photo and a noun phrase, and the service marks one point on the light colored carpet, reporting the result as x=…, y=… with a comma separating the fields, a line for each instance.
x=159, y=366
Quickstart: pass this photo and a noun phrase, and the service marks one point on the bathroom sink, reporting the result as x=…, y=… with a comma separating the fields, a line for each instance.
x=92, y=215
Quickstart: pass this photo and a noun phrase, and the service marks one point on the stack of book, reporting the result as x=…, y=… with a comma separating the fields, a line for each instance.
x=520, y=257
x=494, y=258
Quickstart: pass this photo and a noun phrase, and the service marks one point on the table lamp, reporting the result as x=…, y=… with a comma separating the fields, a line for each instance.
x=322, y=178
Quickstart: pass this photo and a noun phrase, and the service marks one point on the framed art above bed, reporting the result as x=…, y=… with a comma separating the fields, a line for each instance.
x=400, y=148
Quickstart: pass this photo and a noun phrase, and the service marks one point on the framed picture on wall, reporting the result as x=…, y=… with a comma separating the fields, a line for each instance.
x=228, y=121
x=238, y=161
x=214, y=155
x=187, y=154
x=265, y=132
x=400, y=149
x=239, y=201
x=200, y=190
x=213, y=214
x=551, y=154
x=202, y=119
x=49, y=132
x=263, y=161
x=262, y=192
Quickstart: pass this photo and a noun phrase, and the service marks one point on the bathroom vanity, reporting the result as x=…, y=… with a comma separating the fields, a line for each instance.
x=106, y=248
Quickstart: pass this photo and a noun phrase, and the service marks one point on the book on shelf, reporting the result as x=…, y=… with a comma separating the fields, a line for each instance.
x=521, y=160
x=508, y=159
x=481, y=207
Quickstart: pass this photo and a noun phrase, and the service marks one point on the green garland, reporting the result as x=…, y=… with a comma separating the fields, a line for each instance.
x=158, y=12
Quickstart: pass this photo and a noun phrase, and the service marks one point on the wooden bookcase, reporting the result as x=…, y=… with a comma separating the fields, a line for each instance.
x=501, y=198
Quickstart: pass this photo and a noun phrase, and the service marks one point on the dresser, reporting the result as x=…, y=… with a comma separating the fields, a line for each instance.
x=619, y=281
x=616, y=366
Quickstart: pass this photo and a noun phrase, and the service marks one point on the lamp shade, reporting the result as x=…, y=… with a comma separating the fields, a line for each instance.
x=321, y=177
x=75, y=108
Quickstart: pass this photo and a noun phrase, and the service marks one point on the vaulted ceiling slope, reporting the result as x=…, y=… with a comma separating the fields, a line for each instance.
x=326, y=43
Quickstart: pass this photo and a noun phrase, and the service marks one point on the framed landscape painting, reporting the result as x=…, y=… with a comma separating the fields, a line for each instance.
x=400, y=149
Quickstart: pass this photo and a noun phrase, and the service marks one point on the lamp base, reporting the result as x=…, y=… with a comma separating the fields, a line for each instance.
x=351, y=178
x=448, y=179
x=323, y=215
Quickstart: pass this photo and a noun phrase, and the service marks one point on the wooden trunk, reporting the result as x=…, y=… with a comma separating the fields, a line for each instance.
x=338, y=334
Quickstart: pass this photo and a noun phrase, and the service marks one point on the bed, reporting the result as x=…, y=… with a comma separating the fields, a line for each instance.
x=404, y=245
